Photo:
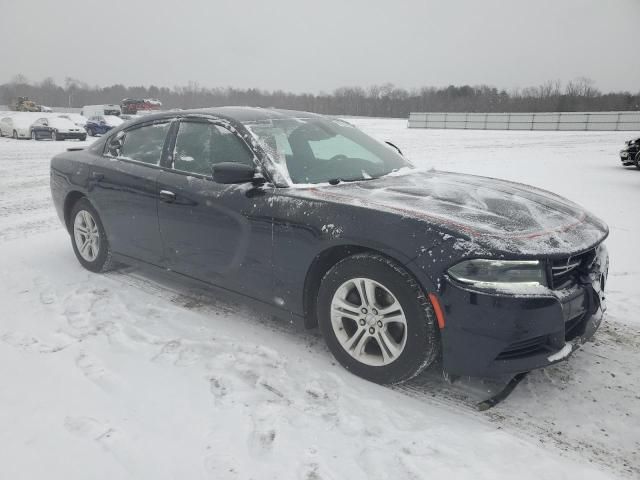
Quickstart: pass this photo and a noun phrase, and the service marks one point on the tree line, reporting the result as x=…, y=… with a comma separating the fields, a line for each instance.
x=384, y=100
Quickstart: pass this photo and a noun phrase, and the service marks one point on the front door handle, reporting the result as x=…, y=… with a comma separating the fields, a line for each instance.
x=97, y=176
x=167, y=196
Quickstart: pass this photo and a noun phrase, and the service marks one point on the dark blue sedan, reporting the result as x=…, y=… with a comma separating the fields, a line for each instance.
x=101, y=124
x=314, y=221
x=56, y=128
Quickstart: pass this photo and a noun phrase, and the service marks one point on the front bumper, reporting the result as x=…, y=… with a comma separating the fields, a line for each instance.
x=627, y=157
x=489, y=334
x=72, y=135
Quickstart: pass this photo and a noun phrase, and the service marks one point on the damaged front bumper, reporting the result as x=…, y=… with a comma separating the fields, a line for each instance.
x=489, y=334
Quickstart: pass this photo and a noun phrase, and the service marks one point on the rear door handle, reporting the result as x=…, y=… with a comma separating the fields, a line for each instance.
x=167, y=196
x=97, y=176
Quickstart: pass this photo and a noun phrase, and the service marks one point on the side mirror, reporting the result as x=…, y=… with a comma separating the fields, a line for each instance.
x=115, y=144
x=229, y=172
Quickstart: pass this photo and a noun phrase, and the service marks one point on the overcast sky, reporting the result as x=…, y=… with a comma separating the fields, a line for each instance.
x=301, y=45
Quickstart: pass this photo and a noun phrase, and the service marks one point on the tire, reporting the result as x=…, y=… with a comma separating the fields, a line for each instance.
x=15, y=135
x=54, y=136
x=34, y=136
x=91, y=132
x=83, y=138
x=411, y=333
x=637, y=160
x=96, y=257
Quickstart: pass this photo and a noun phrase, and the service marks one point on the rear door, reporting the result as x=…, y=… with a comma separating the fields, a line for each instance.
x=218, y=233
x=124, y=189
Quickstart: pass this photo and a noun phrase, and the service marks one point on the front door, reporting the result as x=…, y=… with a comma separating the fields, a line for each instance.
x=217, y=233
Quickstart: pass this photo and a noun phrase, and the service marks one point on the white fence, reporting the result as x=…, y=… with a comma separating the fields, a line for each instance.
x=528, y=121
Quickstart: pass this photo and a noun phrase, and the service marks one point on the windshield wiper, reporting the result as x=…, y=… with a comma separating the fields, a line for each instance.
x=336, y=181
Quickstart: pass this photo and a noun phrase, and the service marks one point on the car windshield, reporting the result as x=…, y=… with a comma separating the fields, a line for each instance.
x=318, y=150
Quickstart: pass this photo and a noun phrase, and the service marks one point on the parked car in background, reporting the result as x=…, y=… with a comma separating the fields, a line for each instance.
x=135, y=105
x=314, y=220
x=6, y=127
x=79, y=120
x=630, y=154
x=23, y=104
x=45, y=109
x=101, y=124
x=95, y=110
x=56, y=128
x=16, y=126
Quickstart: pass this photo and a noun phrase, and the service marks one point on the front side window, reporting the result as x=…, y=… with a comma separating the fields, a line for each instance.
x=200, y=145
x=317, y=150
x=143, y=144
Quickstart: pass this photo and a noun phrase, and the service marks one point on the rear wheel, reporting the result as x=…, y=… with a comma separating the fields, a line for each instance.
x=91, y=132
x=637, y=160
x=54, y=135
x=88, y=237
x=15, y=135
x=376, y=320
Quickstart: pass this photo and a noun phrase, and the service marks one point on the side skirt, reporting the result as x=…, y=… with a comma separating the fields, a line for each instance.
x=224, y=293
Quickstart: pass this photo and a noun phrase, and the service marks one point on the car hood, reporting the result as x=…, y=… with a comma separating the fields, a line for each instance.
x=484, y=214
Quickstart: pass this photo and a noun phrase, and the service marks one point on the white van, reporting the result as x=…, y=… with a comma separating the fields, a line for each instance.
x=100, y=110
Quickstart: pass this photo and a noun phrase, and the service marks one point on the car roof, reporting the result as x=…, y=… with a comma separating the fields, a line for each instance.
x=239, y=114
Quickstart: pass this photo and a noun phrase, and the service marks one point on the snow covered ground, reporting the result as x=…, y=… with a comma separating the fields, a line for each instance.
x=135, y=374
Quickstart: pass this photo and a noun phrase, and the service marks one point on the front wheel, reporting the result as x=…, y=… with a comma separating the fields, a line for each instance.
x=33, y=135
x=91, y=132
x=88, y=237
x=637, y=160
x=376, y=320
x=15, y=135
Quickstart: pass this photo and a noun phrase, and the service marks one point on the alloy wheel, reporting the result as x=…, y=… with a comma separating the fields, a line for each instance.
x=368, y=322
x=86, y=235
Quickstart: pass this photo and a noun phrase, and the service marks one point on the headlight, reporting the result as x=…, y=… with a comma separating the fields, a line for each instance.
x=488, y=273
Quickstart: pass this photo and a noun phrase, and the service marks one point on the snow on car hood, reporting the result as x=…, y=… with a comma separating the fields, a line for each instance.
x=492, y=214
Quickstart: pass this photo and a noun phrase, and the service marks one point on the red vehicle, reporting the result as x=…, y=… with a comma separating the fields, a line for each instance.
x=131, y=106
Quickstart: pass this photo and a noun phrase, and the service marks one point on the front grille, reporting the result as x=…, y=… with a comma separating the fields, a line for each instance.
x=525, y=348
x=566, y=269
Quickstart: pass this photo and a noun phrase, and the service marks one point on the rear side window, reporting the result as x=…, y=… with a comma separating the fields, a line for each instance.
x=144, y=144
x=200, y=145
